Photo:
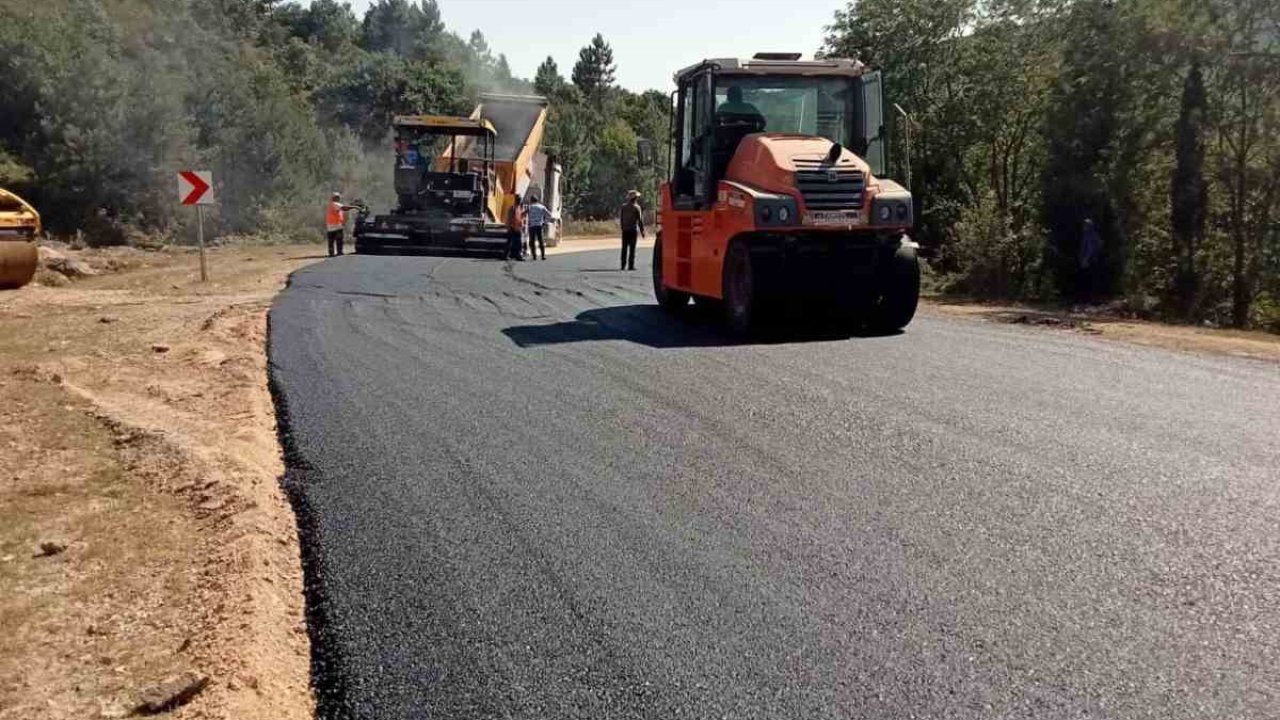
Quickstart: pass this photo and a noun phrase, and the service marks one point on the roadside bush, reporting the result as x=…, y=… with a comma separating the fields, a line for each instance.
x=995, y=260
x=590, y=228
x=1266, y=312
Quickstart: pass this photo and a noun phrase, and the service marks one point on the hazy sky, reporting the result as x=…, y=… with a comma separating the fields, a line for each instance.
x=651, y=39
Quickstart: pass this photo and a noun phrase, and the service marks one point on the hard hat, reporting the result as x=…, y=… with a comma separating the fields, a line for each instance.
x=633, y=194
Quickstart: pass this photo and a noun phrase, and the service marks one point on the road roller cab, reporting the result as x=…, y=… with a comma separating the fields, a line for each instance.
x=19, y=227
x=777, y=191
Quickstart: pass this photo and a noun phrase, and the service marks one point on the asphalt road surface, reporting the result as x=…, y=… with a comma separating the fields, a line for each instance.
x=526, y=493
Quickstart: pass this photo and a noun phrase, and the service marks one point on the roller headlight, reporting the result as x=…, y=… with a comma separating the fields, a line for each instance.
x=774, y=210
x=886, y=213
x=902, y=211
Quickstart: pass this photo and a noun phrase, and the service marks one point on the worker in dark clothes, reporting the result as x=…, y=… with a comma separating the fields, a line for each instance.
x=632, y=221
x=1089, y=280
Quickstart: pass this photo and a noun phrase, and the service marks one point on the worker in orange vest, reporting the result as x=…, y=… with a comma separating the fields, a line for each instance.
x=515, y=230
x=335, y=223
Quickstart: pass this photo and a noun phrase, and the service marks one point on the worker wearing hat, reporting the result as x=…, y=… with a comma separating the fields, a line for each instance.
x=335, y=222
x=631, y=218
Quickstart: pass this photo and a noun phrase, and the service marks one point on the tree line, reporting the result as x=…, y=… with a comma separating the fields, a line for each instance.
x=1158, y=121
x=1155, y=122
x=103, y=100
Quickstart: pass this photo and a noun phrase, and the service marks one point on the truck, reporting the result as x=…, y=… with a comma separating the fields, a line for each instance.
x=456, y=178
x=778, y=195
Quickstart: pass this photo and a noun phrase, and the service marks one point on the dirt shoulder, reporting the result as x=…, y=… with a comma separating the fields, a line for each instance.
x=147, y=553
x=1186, y=338
x=594, y=242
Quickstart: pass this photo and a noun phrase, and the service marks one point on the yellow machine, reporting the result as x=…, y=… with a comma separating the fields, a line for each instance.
x=520, y=121
x=19, y=227
x=456, y=178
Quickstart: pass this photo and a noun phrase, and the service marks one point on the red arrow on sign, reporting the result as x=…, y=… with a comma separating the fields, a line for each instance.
x=198, y=187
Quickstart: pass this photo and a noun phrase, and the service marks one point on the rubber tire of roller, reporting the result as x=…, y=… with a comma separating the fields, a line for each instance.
x=739, y=284
x=900, y=293
x=668, y=299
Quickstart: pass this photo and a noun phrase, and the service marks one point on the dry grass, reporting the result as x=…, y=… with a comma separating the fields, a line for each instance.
x=159, y=472
x=83, y=628
x=590, y=228
x=1187, y=338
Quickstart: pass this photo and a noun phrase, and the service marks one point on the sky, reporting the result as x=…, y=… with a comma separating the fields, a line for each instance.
x=650, y=39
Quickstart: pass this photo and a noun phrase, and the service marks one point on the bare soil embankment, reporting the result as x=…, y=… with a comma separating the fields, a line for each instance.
x=148, y=557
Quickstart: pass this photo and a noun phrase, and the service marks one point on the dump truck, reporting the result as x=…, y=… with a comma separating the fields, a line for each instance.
x=777, y=194
x=19, y=228
x=456, y=178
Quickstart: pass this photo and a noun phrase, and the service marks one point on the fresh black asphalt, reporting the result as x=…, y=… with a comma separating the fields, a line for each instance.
x=525, y=492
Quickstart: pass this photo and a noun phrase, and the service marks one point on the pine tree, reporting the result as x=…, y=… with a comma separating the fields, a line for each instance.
x=404, y=28
x=502, y=69
x=480, y=46
x=1187, y=195
x=594, y=71
x=548, y=79
x=431, y=22
x=388, y=27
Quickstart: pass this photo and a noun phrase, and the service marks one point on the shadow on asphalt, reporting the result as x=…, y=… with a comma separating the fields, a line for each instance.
x=444, y=252
x=695, y=327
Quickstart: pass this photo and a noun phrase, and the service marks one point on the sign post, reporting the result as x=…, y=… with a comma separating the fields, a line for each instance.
x=204, y=264
x=194, y=188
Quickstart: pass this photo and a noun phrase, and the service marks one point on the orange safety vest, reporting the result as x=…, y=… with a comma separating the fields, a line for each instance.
x=334, y=218
x=515, y=218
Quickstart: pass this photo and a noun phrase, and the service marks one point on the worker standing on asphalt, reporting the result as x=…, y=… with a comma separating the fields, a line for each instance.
x=632, y=222
x=539, y=216
x=335, y=222
x=515, y=228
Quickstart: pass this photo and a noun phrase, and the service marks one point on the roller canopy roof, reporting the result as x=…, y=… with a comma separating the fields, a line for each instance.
x=769, y=65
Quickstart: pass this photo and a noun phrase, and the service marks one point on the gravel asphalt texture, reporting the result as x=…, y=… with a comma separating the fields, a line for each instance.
x=524, y=492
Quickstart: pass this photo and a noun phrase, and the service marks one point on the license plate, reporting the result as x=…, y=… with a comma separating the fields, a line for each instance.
x=835, y=217
x=462, y=193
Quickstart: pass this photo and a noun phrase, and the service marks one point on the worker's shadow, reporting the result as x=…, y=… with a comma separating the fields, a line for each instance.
x=650, y=325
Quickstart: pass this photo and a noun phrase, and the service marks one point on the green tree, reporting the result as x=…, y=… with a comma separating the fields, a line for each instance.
x=547, y=80
x=595, y=69
x=1248, y=32
x=1084, y=126
x=479, y=47
x=404, y=28
x=502, y=70
x=918, y=44
x=329, y=24
x=12, y=171
x=1188, y=196
x=572, y=133
x=367, y=95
